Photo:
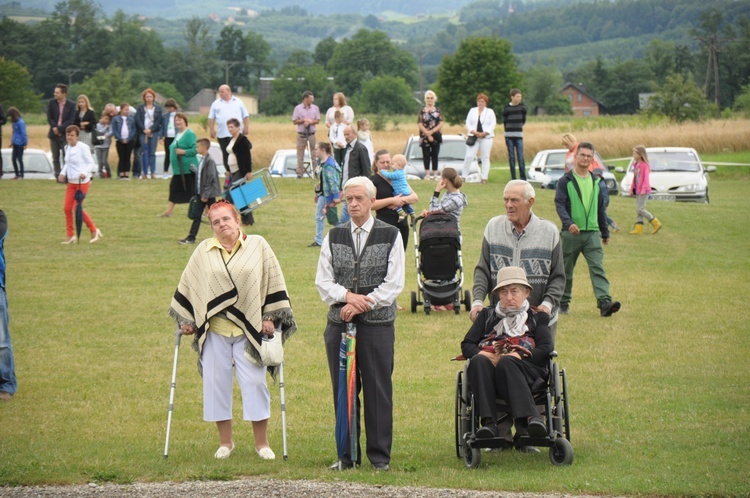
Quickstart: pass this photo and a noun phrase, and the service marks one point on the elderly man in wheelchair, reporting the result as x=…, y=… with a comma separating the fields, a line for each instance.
x=510, y=350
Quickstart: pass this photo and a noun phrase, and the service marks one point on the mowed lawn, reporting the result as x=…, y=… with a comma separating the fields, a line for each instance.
x=658, y=393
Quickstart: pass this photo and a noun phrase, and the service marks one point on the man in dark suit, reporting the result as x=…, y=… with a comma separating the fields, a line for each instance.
x=356, y=163
x=61, y=113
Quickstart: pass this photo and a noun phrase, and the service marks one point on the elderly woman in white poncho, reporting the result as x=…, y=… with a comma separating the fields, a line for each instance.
x=231, y=293
x=509, y=345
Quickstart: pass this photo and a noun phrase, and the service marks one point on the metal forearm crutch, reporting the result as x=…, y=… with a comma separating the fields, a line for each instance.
x=283, y=408
x=178, y=335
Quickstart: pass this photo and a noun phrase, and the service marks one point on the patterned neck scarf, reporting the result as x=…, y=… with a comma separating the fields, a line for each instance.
x=513, y=320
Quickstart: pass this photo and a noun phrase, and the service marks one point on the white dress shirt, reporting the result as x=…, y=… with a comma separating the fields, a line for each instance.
x=336, y=135
x=222, y=111
x=385, y=294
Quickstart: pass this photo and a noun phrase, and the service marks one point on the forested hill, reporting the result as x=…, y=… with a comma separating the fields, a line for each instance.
x=171, y=9
x=609, y=30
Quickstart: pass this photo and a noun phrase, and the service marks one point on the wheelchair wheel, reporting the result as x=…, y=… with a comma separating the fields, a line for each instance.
x=413, y=302
x=566, y=416
x=472, y=457
x=561, y=452
x=554, y=379
x=457, y=411
x=467, y=300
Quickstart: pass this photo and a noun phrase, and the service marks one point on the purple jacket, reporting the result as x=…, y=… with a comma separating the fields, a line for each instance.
x=641, y=185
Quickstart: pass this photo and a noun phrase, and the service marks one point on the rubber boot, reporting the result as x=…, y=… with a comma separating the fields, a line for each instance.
x=656, y=224
x=638, y=229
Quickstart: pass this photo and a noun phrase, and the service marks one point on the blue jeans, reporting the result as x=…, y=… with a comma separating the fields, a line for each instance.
x=7, y=367
x=320, y=220
x=344, y=214
x=148, y=154
x=515, y=149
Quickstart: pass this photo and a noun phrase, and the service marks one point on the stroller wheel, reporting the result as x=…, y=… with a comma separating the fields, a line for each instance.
x=413, y=302
x=467, y=300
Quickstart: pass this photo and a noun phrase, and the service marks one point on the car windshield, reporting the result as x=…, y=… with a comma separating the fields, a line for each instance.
x=555, y=160
x=291, y=164
x=673, y=161
x=450, y=150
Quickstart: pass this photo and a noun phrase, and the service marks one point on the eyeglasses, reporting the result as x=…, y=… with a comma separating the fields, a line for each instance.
x=585, y=156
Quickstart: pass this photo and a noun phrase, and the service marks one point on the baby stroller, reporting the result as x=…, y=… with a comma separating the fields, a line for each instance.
x=440, y=273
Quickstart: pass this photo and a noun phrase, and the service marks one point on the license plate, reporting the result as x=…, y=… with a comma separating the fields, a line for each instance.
x=663, y=197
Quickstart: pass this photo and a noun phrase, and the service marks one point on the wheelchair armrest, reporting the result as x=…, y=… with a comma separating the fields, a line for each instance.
x=553, y=354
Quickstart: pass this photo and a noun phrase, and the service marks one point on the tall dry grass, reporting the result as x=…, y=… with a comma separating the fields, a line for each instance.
x=613, y=140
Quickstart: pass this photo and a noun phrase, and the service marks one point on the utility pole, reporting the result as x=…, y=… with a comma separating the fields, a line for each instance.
x=227, y=65
x=70, y=73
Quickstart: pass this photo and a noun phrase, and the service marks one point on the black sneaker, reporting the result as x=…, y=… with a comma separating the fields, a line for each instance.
x=489, y=431
x=186, y=241
x=564, y=308
x=608, y=308
x=314, y=244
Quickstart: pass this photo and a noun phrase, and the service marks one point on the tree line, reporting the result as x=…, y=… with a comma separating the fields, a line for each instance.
x=114, y=58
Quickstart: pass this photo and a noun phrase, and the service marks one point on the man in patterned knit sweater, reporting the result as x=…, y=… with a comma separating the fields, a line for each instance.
x=520, y=238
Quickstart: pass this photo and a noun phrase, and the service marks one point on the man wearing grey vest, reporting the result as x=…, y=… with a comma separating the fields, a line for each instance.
x=360, y=275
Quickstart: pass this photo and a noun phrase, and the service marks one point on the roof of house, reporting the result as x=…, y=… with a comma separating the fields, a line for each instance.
x=581, y=90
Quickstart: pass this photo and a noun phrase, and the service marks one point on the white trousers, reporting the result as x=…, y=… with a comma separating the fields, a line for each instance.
x=219, y=352
x=484, y=145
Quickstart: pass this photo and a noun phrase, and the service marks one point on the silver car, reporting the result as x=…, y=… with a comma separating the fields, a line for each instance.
x=548, y=167
x=284, y=163
x=452, y=153
x=37, y=165
x=677, y=174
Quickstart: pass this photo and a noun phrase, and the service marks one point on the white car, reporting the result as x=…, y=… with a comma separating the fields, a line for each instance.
x=452, y=153
x=214, y=151
x=548, y=166
x=284, y=163
x=677, y=174
x=37, y=165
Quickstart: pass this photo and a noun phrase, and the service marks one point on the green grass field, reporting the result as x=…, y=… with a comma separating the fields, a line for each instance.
x=658, y=393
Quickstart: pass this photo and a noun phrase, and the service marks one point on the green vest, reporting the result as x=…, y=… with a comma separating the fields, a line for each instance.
x=586, y=217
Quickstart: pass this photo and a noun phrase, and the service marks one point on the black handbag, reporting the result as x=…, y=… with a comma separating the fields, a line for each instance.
x=195, y=208
x=471, y=140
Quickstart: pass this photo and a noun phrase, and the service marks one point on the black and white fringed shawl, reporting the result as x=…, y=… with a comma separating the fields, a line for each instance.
x=247, y=289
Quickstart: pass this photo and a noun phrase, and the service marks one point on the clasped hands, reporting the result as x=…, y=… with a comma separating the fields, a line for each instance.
x=355, y=304
x=504, y=349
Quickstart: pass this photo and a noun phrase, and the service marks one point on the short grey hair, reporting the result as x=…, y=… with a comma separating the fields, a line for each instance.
x=362, y=181
x=430, y=92
x=528, y=193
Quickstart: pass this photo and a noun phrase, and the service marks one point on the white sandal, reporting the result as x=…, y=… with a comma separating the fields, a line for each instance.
x=266, y=453
x=224, y=452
